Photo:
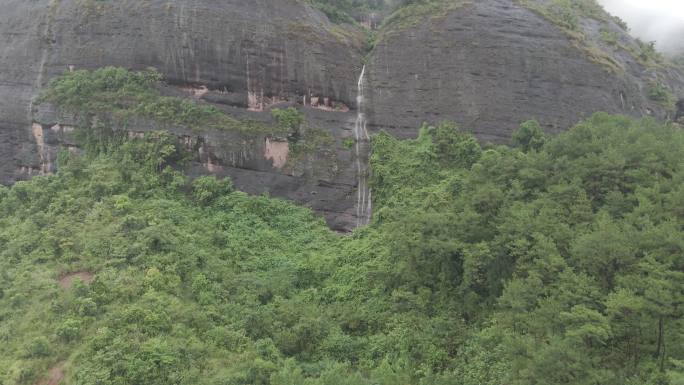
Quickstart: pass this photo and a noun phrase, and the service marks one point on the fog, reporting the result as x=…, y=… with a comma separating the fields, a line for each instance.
x=661, y=21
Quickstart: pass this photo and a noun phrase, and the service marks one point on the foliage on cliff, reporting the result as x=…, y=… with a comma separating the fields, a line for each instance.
x=558, y=261
x=343, y=11
x=119, y=95
x=340, y=11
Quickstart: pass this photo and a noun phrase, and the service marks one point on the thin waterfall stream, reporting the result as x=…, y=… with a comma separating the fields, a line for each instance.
x=364, y=203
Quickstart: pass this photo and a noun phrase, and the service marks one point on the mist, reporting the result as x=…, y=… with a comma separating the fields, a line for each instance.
x=661, y=21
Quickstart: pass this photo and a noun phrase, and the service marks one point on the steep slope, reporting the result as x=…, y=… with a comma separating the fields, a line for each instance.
x=241, y=56
x=561, y=265
x=489, y=65
x=484, y=65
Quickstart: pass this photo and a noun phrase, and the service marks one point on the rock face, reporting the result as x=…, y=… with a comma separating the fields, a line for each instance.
x=487, y=66
x=243, y=56
x=492, y=64
x=247, y=54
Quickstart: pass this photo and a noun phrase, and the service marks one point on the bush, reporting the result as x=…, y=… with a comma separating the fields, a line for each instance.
x=480, y=267
x=206, y=189
x=114, y=94
x=529, y=136
x=69, y=330
x=648, y=53
x=452, y=146
x=38, y=347
x=290, y=119
x=609, y=37
x=659, y=92
x=86, y=307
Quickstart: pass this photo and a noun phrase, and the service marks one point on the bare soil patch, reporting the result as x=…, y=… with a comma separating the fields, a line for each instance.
x=55, y=375
x=67, y=280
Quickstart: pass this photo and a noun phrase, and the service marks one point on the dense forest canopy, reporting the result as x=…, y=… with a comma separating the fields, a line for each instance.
x=555, y=261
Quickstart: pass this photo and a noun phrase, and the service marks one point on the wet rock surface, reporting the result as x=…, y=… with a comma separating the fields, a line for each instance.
x=489, y=66
x=244, y=57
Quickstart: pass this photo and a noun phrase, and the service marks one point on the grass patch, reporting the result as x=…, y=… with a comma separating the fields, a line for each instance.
x=343, y=11
x=609, y=37
x=348, y=143
x=647, y=54
x=413, y=14
x=567, y=15
x=659, y=92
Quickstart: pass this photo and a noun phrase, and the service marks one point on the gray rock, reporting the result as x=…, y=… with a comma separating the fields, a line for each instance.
x=236, y=54
x=493, y=64
x=487, y=66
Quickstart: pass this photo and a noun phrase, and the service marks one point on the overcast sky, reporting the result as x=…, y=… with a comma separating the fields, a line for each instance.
x=652, y=20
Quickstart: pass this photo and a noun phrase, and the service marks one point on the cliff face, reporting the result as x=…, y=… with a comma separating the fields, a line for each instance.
x=242, y=56
x=487, y=65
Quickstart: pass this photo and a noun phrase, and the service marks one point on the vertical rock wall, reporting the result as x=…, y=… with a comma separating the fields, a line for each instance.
x=487, y=65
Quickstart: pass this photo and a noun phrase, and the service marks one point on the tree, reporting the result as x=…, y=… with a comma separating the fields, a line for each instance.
x=453, y=147
x=529, y=136
x=206, y=189
x=661, y=291
x=290, y=119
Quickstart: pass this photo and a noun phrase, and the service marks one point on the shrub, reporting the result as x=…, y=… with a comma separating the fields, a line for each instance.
x=648, y=53
x=114, y=94
x=69, y=330
x=87, y=307
x=348, y=143
x=38, y=347
x=529, y=136
x=206, y=189
x=609, y=37
x=454, y=147
x=289, y=119
x=659, y=92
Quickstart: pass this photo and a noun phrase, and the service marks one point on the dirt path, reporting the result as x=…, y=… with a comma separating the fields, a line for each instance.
x=67, y=280
x=55, y=375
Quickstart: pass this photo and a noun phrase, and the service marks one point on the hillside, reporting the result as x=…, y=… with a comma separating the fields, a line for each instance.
x=554, y=262
x=338, y=192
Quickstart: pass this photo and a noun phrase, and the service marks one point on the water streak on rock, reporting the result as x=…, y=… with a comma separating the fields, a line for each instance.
x=364, y=205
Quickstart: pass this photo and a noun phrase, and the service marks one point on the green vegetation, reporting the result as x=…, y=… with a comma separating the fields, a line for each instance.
x=679, y=60
x=568, y=15
x=529, y=136
x=115, y=95
x=348, y=143
x=304, y=140
x=399, y=15
x=341, y=11
x=412, y=13
x=557, y=262
x=345, y=11
x=660, y=93
x=609, y=37
x=289, y=119
x=647, y=53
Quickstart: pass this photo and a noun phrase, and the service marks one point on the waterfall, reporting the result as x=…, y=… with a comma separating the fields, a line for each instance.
x=46, y=38
x=364, y=205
